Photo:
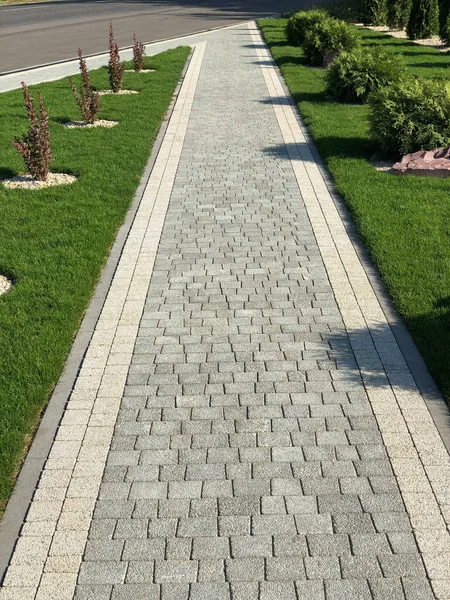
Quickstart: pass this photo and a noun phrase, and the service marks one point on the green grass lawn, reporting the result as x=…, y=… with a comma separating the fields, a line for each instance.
x=54, y=242
x=404, y=221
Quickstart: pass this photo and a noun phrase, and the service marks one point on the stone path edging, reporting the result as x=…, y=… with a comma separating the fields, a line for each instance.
x=418, y=455
x=59, y=516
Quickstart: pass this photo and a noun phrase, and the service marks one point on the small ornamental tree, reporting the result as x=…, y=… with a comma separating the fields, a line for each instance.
x=374, y=12
x=423, y=20
x=34, y=146
x=398, y=13
x=138, y=54
x=86, y=98
x=114, y=67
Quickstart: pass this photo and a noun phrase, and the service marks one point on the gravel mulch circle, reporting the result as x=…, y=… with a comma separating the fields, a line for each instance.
x=384, y=166
x=433, y=42
x=121, y=93
x=141, y=71
x=5, y=284
x=26, y=182
x=84, y=125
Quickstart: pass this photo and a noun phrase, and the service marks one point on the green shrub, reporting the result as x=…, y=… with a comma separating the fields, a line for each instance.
x=423, y=20
x=347, y=10
x=300, y=22
x=398, y=13
x=354, y=75
x=329, y=36
x=412, y=115
x=444, y=21
x=374, y=12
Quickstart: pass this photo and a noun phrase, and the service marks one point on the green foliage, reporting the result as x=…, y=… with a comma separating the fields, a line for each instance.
x=444, y=21
x=412, y=115
x=398, y=13
x=347, y=10
x=374, y=12
x=354, y=75
x=300, y=22
x=328, y=36
x=423, y=19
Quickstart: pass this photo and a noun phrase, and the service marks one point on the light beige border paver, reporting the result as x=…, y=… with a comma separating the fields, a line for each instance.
x=48, y=554
x=419, y=458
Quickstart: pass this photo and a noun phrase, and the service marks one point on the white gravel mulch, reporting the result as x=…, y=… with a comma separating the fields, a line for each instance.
x=434, y=42
x=26, y=182
x=384, y=166
x=121, y=93
x=84, y=125
x=5, y=284
x=141, y=71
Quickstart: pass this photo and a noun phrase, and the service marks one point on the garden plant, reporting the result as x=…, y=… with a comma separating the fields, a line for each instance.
x=115, y=67
x=34, y=146
x=423, y=19
x=138, y=54
x=298, y=24
x=397, y=13
x=353, y=76
x=327, y=37
x=374, y=12
x=86, y=98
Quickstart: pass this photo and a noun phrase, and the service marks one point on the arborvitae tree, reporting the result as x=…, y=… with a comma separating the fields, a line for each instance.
x=444, y=20
x=423, y=20
x=374, y=12
x=398, y=13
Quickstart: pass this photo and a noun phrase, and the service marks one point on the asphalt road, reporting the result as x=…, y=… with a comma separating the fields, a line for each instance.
x=37, y=34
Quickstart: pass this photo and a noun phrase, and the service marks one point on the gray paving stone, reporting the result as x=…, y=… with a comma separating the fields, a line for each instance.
x=246, y=463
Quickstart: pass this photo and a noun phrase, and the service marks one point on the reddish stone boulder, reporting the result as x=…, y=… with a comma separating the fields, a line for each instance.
x=430, y=163
x=328, y=59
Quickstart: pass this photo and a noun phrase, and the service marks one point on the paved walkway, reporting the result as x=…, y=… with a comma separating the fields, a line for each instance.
x=263, y=436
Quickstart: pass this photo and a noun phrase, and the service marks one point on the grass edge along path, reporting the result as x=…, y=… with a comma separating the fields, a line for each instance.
x=54, y=242
x=404, y=222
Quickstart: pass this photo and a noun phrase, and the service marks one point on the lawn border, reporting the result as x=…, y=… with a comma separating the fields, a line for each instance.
x=27, y=480
x=427, y=387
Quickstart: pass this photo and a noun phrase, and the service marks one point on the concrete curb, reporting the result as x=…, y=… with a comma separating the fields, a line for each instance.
x=28, y=478
x=425, y=383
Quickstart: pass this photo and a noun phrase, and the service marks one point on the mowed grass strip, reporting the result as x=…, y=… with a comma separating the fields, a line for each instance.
x=404, y=221
x=54, y=242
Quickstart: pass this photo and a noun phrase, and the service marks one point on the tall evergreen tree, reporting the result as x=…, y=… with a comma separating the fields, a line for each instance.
x=374, y=12
x=423, y=20
x=444, y=20
x=398, y=13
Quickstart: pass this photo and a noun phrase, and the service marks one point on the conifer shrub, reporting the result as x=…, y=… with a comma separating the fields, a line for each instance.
x=86, y=98
x=327, y=37
x=397, y=13
x=444, y=21
x=353, y=76
x=299, y=23
x=423, y=19
x=411, y=115
x=34, y=146
x=374, y=12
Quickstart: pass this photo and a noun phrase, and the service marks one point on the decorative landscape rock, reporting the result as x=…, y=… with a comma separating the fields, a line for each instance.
x=430, y=163
x=328, y=59
x=5, y=284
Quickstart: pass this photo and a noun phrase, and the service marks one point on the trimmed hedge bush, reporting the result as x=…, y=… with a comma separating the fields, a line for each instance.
x=326, y=37
x=423, y=20
x=300, y=22
x=354, y=75
x=412, y=115
x=397, y=15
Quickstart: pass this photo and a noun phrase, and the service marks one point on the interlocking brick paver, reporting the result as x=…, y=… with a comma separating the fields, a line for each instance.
x=259, y=451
